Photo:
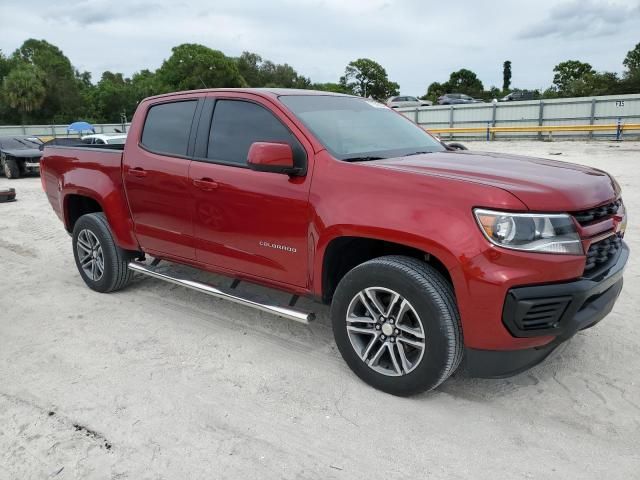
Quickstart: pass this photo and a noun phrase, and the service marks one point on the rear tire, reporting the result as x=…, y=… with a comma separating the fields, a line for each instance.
x=101, y=263
x=425, y=338
x=11, y=168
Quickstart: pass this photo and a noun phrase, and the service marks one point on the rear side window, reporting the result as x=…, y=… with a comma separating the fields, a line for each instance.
x=237, y=124
x=166, y=129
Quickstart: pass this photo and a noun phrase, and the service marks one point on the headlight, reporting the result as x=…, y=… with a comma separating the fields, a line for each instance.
x=533, y=232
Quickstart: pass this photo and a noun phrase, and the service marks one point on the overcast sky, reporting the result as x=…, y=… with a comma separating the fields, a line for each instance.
x=417, y=41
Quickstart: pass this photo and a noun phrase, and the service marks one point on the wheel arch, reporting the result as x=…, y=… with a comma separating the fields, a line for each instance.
x=78, y=202
x=344, y=252
x=76, y=205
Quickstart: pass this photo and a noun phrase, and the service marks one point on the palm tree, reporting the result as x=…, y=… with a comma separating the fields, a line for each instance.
x=24, y=89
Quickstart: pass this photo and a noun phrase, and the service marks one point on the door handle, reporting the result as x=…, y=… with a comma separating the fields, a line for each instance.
x=138, y=172
x=206, y=184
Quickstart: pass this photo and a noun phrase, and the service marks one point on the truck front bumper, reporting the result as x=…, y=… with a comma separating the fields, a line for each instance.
x=559, y=310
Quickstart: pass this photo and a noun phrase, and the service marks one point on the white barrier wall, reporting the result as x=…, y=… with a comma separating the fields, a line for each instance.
x=563, y=111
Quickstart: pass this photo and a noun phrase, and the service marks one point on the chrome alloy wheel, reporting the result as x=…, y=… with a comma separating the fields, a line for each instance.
x=385, y=331
x=90, y=254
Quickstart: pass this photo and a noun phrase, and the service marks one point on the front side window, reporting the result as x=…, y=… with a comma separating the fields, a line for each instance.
x=237, y=124
x=353, y=128
x=167, y=126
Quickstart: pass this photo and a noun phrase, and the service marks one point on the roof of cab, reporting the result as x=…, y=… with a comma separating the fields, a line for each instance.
x=267, y=92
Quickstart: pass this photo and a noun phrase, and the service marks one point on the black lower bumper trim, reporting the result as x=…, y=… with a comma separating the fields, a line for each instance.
x=561, y=309
x=503, y=363
x=566, y=307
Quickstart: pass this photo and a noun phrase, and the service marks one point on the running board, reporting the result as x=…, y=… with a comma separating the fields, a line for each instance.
x=285, y=312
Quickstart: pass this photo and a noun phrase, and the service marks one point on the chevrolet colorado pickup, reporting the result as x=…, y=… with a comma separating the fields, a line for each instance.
x=429, y=257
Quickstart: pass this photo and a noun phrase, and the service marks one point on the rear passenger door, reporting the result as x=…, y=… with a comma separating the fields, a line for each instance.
x=156, y=177
x=249, y=222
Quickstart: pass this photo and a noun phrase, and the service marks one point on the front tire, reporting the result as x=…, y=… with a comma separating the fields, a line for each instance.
x=396, y=324
x=11, y=168
x=101, y=263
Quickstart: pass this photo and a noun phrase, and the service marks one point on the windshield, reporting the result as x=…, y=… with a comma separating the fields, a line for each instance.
x=15, y=143
x=354, y=128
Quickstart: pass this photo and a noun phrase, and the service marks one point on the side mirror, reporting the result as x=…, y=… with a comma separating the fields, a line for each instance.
x=272, y=157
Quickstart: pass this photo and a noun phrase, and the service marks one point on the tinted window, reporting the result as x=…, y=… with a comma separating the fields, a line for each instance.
x=236, y=125
x=166, y=129
x=412, y=99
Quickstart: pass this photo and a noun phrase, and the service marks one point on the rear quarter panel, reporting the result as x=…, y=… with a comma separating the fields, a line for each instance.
x=92, y=173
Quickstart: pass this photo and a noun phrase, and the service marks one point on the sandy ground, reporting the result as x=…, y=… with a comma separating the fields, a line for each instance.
x=160, y=382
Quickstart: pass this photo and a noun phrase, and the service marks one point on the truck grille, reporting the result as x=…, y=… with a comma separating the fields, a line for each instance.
x=586, y=216
x=600, y=252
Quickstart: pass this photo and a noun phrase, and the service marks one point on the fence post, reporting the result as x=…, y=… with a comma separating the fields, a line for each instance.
x=593, y=116
x=619, y=130
x=488, y=134
x=540, y=118
x=450, y=121
x=417, y=115
x=493, y=119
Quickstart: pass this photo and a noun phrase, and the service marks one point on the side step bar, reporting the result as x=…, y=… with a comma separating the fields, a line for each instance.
x=289, y=313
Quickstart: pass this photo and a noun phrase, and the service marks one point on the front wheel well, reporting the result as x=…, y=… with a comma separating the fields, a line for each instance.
x=77, y=206
x=344, y=253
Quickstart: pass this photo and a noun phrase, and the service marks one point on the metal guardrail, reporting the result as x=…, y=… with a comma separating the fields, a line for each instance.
x=619, y=128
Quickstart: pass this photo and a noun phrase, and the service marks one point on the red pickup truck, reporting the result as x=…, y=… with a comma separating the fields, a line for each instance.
x=427, y=256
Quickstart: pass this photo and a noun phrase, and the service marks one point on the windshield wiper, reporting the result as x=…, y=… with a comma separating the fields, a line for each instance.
x=415, y=153
x=362, y=159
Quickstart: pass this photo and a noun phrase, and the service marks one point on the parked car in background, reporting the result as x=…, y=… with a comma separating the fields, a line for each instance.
x=455, y=98
x=104, y=139
x=19, y=155
x=406, y=101
x=519, y=96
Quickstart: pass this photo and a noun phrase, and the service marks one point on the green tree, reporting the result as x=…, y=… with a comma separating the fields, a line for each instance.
x=264, y=73
x=112, y=96
x=566, y=73
x=63, y=101
x=365, y=78
x=329, y=87
x=146, y=83
x=632, y=61
x=591, y=84
x=5, y=65
x=24, y=89
x=506, y=75
x=464, y=81
x=192, y=66
x=435, y=90
x=249, y=67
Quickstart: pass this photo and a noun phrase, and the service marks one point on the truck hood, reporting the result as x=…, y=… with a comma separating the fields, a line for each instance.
x=541, y=184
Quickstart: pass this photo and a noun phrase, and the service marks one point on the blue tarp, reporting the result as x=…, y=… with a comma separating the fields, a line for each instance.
x=80, y=127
